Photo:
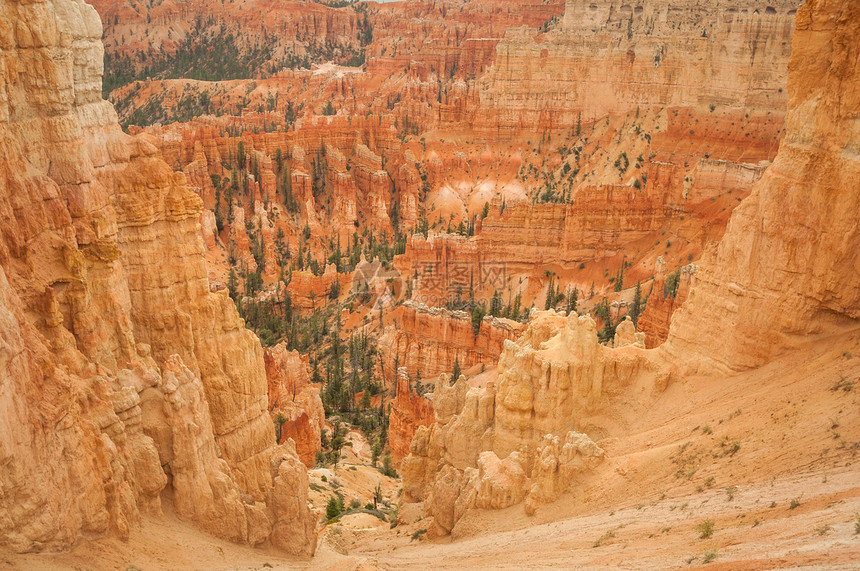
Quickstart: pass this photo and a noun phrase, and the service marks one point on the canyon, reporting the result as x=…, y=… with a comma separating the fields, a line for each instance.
x=360, y=285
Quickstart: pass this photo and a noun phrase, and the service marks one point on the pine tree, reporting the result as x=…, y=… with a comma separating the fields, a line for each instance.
x=550, y=291
x=496, y=304
x=619, y=279
x=515, y=309
x=240, y=155
x=455, y=374
x=233, y=284
x=636, y=310
x=572, y=300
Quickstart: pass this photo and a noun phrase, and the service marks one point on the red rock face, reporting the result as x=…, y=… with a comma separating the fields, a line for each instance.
x=157, y=28
x=310, y=291
x=645, y=159
x=408, y=412
x=295, y=400
x=657, y=316
x=621, y=165
x=424, y=343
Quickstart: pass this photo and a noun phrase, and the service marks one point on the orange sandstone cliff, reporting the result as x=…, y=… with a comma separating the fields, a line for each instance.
x=795, y=274
x=121, y=374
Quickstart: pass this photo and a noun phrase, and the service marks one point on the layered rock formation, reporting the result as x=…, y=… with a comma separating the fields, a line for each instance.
x=658, y=146
x=662, y=300
x=162, y=28
x=780, y=272
x=409, y=410
x=428, y=340
x=521, y=437
x=121, y=373
x=795, y=274
x=644, y=51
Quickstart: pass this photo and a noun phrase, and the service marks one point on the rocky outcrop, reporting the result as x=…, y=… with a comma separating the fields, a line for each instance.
x=554, y=376
x=409, y=410
x=310, y=291
x=667, y=293
x=625, y=335
x=521, y=438
x=121, y=373
x=295, y=405
x=794, y=275
x=428, y=340
x=782, y=270
x=556, y=465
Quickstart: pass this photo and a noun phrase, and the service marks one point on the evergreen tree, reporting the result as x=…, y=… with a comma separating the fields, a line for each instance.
x=515, y=309
x=619, y=279
x=550, y=291
x=636, y=309
x=455, y=374
x=496, y=304
x=240, y=155
x=478, y=313
x=572, y=300
x=233, y=284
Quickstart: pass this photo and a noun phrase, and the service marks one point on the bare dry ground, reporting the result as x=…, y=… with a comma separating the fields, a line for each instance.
x=769, y=457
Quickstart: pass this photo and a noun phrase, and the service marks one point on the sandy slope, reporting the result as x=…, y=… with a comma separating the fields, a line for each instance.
x=796, y=422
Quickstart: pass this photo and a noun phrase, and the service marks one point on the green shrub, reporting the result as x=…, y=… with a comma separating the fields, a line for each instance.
x=705, y=529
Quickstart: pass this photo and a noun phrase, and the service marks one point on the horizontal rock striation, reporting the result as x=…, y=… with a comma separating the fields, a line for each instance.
x=795, y=274
x=428, y=340
x=608, y=56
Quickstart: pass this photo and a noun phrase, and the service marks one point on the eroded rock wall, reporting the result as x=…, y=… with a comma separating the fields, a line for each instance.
x=120, y=372
x=795, y=273
x=609, y=56
x=294, y=400
x=428, y=340
x=522, y=437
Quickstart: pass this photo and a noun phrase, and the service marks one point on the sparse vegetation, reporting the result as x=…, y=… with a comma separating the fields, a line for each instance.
x=334, y=507
x=604, y=538
x=418, y=534
x=843, y=384
x=705, y=529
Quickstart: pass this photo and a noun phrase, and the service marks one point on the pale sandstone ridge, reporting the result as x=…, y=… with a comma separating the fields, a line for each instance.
x=523, y=437
x=121, y=375
x=610, y=56
x=797, y=273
